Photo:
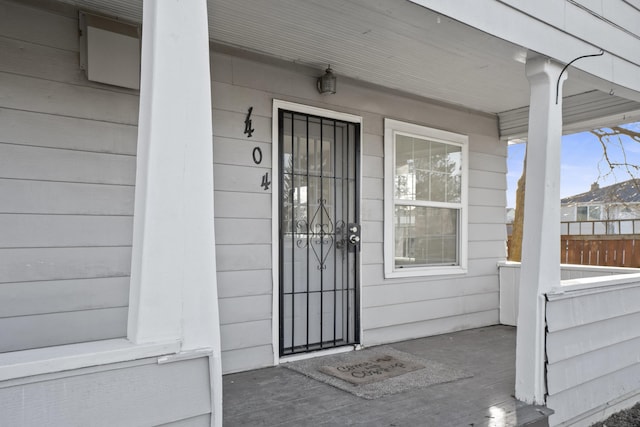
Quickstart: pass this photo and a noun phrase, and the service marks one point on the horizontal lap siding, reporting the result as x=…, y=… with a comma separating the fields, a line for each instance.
x=392, y=309
x=67, y=176
x=242, y=223
x=592, y=349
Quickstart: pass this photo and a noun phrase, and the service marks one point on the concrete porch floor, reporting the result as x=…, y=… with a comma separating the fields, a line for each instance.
x=281, y=397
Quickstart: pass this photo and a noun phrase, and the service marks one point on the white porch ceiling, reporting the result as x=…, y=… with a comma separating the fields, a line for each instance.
x=391, y=43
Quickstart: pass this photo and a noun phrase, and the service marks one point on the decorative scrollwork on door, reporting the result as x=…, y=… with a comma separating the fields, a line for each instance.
x=320, y=233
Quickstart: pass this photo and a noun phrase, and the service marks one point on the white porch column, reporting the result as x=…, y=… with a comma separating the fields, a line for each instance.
x=173, y=273
x=540, y=269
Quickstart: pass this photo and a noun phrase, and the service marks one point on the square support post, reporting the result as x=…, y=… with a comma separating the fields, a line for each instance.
x=173, y=294
x=540, y=271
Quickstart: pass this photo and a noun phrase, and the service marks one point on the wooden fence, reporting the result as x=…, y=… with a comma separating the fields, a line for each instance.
x=610, y=243
x=610, y=251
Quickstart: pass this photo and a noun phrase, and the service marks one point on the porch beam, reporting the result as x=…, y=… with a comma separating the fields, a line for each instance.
x=540, y=271
x=173, y=293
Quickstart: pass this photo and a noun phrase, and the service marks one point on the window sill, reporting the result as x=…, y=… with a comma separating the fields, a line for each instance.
x=424, y=272
x=25, y=363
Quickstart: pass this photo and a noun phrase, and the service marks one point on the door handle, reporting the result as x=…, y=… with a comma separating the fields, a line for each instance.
x=353, y=235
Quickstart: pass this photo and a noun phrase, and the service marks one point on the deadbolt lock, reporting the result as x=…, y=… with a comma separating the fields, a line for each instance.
x=354, y=235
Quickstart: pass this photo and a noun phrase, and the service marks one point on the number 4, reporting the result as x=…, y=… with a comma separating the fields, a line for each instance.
x=265, y=181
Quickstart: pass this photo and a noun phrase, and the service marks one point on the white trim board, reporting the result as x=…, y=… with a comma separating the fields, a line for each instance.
x=26, y=363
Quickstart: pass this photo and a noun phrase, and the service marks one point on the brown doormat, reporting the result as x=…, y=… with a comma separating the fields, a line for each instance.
x=374, y=369
x=415, y=371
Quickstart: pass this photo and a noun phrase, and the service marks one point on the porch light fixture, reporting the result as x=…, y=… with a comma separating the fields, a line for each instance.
x=326, y=83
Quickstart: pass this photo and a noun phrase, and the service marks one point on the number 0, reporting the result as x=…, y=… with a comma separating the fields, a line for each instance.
x=257, y=155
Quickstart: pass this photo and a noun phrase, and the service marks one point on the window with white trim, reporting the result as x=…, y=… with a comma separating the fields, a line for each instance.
x=425, y=200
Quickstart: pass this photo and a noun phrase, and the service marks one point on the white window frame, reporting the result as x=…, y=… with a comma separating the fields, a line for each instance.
x=391, y=129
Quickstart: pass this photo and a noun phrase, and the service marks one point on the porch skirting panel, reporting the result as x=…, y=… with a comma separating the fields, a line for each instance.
x=140, y=392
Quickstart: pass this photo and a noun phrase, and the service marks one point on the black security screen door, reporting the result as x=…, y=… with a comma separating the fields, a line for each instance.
x=319, y=234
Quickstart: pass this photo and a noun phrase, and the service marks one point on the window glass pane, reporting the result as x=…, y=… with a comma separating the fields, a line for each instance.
x=438, y=187
x=422, y=185
x=594, y=212
x=454, y=189
x=422, y=154
x=315, y=145
x=581, y=213
x=449, y=250
x=299, y=147
x=404, y=173
x=438, y=157
x=328, y=145
x=427, y=170
x=425, y=236
x=454, y=170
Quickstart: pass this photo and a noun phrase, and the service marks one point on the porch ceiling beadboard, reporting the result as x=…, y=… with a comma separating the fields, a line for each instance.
x=395, y=44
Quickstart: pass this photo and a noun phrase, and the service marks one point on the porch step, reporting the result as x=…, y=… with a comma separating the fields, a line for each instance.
x=532, y=415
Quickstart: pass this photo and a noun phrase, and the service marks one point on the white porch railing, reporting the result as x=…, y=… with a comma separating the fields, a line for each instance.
x=592, y=342
x=510, y=279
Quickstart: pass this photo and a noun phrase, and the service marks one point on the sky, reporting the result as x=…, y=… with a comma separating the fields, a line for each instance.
x=581, y=164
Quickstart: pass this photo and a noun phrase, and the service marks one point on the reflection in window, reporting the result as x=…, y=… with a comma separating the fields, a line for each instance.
x=588, y=213
x=425, y=236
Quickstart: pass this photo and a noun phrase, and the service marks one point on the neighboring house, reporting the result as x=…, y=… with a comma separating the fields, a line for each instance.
x=142, y=254
x=616, y=201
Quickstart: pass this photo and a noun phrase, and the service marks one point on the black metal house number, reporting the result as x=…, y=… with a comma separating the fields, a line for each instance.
x=248, y=130
x=257, y=155
x=265, y=181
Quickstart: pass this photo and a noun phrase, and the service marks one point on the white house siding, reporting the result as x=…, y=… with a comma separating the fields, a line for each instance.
x=142, y=392
x=67, y=171
x=393, y=310
x=592, y=350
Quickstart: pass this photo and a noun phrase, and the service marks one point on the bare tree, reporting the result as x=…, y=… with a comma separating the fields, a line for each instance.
x=613, y=137
x=515, y=244
x=609, y=138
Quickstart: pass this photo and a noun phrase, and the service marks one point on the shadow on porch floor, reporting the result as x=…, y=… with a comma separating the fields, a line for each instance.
x=281, y=397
